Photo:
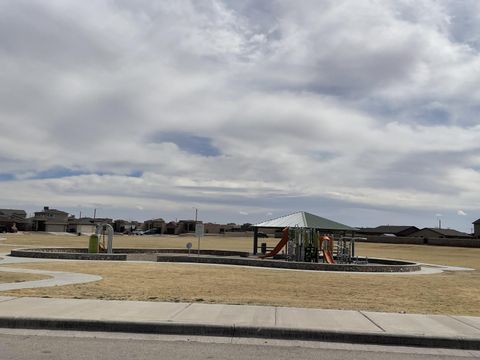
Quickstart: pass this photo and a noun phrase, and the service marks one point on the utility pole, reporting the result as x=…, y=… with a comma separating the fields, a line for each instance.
x=197, y=231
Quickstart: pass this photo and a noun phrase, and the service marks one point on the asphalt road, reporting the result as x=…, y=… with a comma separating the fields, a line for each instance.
x=33, y=345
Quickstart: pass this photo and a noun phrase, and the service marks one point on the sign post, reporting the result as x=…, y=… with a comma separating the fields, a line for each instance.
x=199, y=233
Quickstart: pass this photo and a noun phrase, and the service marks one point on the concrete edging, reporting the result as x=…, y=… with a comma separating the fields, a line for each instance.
x=170, y=328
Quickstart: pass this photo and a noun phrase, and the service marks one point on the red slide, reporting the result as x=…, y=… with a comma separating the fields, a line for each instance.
x=328, y=257
x=279, y=246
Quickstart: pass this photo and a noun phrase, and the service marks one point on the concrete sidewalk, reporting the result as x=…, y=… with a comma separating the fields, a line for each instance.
x=460, y=332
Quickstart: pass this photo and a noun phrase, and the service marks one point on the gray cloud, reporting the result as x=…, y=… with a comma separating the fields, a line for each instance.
x=252, y=107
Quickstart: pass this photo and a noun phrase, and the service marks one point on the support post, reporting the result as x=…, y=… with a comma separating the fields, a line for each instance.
x=255, y=240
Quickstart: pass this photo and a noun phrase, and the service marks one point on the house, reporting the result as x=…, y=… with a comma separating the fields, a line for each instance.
x=389, y=230
x=185, y=226
x=476, y=229
x=170, y=228
x=441, y=233
x=125, y=226
x=12, y=220
x=155, y=224
x=211, y=228
x=85, y=225
x=50, y=220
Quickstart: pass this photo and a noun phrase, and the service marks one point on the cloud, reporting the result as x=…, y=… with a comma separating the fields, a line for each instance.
x=188, y=142
x=461, y=213
x=266, y=106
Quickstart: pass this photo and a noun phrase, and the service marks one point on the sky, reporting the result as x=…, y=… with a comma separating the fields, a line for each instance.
x=365, y=112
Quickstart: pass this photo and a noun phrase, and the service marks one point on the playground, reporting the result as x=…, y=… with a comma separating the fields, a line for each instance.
x=449, y=292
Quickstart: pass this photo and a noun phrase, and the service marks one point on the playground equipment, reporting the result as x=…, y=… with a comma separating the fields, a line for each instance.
x=102, y=229
x=304, y=245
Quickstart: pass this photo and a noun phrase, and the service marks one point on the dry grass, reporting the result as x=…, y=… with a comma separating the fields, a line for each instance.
x=447, y=293
x=444, y=255
x=19, y=277
x=120, y=241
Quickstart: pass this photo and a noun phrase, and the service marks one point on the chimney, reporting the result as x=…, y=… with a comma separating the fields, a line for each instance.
x=46, y=208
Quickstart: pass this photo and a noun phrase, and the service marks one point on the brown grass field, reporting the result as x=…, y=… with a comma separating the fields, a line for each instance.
x=19, y=277
x=446, y=293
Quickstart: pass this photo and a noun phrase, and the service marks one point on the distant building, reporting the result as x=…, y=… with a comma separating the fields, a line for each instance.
x=50, y=220
x=391, y=230
x=86, y=225
x=170, y=228
x=12, y=220
x=124, y=226
x=155, y=224
x=185, y=226
x=476, y=228
x=211, y=228
x=441, y=233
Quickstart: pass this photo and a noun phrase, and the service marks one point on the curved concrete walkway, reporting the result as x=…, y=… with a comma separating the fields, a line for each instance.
x=58, y=278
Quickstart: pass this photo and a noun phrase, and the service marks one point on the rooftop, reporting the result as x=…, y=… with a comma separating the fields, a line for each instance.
x=304, y=219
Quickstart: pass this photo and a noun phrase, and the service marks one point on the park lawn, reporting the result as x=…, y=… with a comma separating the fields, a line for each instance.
x=447, y=293
x=28, y=240
x=8, y=277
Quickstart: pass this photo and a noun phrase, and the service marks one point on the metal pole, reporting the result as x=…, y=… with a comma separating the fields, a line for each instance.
x=198, y=235
x=255, y=240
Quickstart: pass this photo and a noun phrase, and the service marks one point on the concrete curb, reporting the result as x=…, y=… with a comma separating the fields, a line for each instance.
x=173, y=328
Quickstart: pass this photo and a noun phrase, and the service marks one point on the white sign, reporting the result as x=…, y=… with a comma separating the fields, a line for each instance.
x=199, y=229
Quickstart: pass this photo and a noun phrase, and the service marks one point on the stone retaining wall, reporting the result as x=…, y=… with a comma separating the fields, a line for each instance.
x=375, y=265
x=118, y=253
x=74, y=255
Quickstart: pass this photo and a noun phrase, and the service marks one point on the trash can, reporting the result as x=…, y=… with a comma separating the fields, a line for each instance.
x=93, y=244
x=263, y=247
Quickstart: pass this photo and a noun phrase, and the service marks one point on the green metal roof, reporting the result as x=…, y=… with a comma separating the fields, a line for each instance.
x=304, y=220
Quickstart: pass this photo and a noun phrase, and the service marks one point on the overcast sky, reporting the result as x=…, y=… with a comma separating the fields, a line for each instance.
x=365, y=112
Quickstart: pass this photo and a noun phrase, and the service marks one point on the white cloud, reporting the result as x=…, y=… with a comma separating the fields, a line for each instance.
x=461, y=213
x=363, y=104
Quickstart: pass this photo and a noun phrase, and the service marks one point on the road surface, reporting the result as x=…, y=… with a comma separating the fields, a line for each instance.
x=52, y=345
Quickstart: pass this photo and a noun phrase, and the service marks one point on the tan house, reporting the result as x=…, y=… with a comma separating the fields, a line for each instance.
x=50, y=220
x=155, y=224
x=84, y=225
x=12, y=220
x=211, y=228
x=185, y=226
x=124, y=226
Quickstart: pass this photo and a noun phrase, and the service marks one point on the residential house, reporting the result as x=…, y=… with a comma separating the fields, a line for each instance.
x=155, y=224
x=476, y=229
x=170, y=228
x=211, y=228
x=441, y=233
x=125, y=226
x=389, y=230
x=12, y=220
x=185, y=226
x=50, y=220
